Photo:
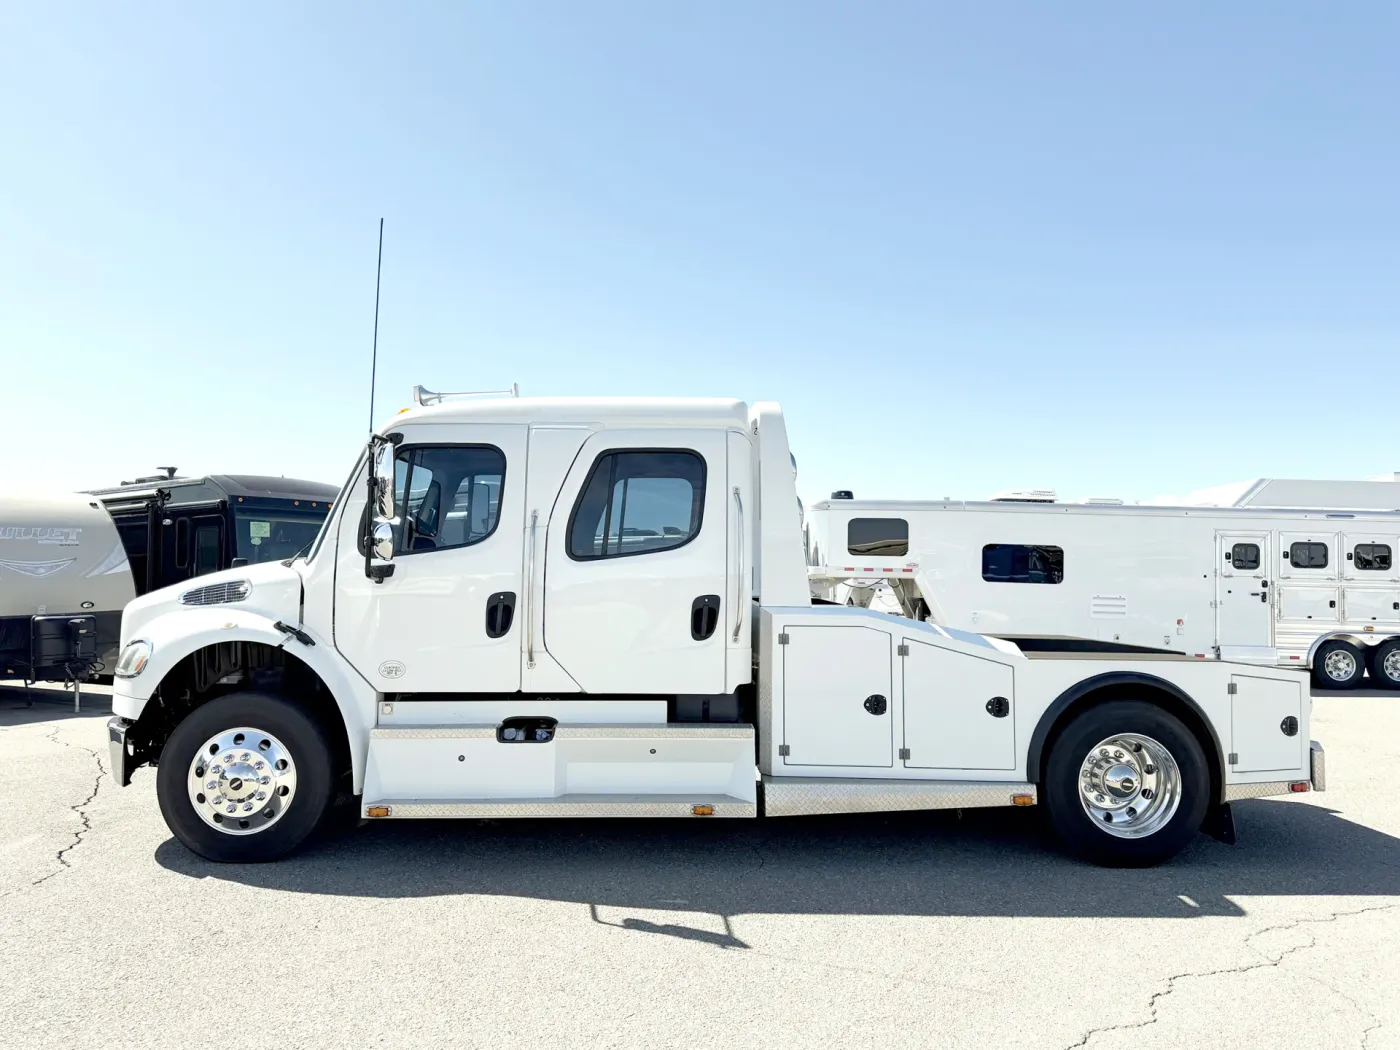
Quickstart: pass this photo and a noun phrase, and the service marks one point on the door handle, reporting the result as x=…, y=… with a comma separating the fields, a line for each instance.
x=500, y=612
x=704, y=616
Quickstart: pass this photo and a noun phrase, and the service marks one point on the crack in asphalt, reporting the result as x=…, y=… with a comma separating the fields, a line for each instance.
x=80, y=808
x=1265, y=963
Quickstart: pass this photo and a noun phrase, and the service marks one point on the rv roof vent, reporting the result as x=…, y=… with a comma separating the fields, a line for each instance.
x=1024, y=496
x=1102, y=501
x=169, y=475
x=843, y=494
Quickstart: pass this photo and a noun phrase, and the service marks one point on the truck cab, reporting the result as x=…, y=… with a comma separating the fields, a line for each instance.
x=600, y=607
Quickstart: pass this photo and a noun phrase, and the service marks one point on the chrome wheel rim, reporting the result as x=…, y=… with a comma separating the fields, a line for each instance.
x=1340, y=665
x=1129, y=785
x=1390, y=666
x=242, y=781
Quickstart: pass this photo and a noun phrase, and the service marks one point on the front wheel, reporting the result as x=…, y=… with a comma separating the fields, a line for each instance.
x=246, y=777
x=1127, y=784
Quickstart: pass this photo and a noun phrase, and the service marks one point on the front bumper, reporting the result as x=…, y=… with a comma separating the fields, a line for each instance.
x=1318, y=769
x=122, y=755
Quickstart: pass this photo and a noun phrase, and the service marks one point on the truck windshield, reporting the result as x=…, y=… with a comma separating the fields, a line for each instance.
x=271, y=535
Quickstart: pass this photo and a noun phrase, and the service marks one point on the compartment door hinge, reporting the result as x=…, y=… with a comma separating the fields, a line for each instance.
x=1234, y=758
x=902, y=650
x=904, y=753
x=782, y=638
x=784, y=750
x=1232, y=688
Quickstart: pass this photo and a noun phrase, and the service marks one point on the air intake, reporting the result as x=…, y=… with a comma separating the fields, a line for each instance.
x=217, y=593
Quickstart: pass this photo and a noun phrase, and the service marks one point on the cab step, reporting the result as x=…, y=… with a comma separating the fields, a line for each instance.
x=563, y=806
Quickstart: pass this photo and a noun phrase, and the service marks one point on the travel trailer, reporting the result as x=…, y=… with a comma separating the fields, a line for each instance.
x=600, y=608
x=85, y=556
x=1303, y=587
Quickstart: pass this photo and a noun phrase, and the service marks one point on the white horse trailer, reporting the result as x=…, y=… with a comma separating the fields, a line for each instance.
x=1318, y=589
x=595, y=608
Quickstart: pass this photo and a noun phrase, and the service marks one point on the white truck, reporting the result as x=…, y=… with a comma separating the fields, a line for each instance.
x=1312, y=588
x=600, y=608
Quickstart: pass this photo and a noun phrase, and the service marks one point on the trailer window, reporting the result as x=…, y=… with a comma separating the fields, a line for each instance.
x=638, y=502
x=447, y=496
x=1244, y=556
x=1308, y=555
x=1022, y=563
x=879, y=537
x=1372, y=557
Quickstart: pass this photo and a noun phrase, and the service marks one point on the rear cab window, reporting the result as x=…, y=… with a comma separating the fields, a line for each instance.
x=638, y=501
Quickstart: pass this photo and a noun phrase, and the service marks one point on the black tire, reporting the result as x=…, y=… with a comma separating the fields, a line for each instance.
x=1325, y=677
x=305, y=741
x=1381, y=676
x=1086, y=836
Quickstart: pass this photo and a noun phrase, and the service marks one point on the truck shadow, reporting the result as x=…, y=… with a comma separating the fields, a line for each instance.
x=983, y=863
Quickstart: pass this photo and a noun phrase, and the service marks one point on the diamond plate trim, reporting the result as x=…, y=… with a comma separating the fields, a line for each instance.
x=1319, y=766
x=566, y=806
x=700, y=731
x=1237, y=792
x=808, y=796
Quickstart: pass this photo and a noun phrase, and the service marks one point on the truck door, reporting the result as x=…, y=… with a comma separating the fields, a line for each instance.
x=1243, y=601
x=634, y=563
x=445, y=621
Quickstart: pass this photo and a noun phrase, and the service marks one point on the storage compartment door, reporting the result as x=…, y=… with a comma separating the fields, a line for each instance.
x=1372, y=604
x=836, y=696
x=1260, y=711
x=1308, y=604
x=952, y=718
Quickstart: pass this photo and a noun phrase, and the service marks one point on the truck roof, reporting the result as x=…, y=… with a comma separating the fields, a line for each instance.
x=610, y=411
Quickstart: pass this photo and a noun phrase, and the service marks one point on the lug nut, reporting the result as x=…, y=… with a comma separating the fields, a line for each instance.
x=212, y=785
x=228, y=758
x=261, y=795
x=232, y=806
x=248, y=807
x=1118, y=755
x=216, y=770
x=264, y=780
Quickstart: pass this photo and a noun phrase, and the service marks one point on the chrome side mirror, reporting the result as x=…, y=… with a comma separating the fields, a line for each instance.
x=384, y=481
x=382, y=540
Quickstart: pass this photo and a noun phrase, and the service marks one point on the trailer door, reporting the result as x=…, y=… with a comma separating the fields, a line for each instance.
x=1243, y=599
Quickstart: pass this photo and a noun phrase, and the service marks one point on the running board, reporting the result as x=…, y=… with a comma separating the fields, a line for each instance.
x=564, y=806
x=810, y=796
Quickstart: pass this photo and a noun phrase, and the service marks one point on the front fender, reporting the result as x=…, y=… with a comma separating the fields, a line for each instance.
x=177, y=634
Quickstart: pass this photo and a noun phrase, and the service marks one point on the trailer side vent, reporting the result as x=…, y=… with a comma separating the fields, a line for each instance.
x=1108, y=605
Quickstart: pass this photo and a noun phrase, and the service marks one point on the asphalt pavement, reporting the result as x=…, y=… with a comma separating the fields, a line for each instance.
x=918, y=930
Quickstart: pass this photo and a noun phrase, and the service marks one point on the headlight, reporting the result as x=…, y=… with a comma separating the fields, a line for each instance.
x=133, y=659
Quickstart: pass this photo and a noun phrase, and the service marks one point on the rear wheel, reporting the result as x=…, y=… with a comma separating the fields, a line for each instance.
x=1338, y=665
x=1127, y=784
x=1385, y=665
x=246, y=777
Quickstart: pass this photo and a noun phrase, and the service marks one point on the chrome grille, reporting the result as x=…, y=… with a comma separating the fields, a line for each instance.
x=217, y=593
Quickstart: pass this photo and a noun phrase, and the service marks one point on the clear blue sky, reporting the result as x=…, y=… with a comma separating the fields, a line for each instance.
x=1119, y=249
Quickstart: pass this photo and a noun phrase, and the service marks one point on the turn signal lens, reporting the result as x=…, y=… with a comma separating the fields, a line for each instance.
x=376, y=811
x=1023, y=800
x=1300, y=785
x=703, y=811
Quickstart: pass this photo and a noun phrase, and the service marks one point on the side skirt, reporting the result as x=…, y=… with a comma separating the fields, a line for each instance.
x=811, y=796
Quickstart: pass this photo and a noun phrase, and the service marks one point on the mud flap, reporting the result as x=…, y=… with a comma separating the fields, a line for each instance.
x=1220, y=824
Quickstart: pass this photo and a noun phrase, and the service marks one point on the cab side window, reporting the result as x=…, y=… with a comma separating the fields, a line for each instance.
x=447, y=496
x=638, y=501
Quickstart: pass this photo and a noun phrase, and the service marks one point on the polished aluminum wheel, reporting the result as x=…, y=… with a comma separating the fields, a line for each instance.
x=1390, y=666
x=1130, y=785
x=242, y=781
x=1340, y=665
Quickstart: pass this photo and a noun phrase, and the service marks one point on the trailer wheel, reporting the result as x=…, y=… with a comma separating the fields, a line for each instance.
x=1385, y=665
x=1338, y=665
x=1127, y=784
x=246, y=777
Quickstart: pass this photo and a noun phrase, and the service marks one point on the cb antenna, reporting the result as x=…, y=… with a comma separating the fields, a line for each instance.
x=374, y=360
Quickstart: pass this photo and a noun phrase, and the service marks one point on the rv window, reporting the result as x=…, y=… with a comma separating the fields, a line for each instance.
x=1245, y=556
x=1372, y=557
x=447, y=496
x=1022, y=563
x=1308, y=555
x=638, y=502
x=880, y=537
x=206, y=549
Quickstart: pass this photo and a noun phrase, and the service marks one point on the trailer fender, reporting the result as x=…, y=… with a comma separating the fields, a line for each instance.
x=175, y=635
x=1115, y=681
